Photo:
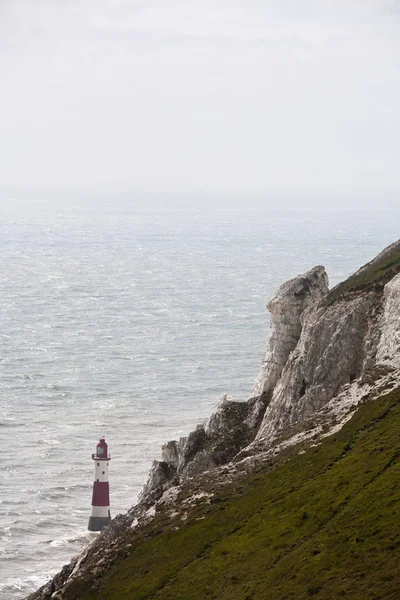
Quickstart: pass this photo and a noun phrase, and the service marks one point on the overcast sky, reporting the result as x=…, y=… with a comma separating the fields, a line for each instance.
x=244, y=96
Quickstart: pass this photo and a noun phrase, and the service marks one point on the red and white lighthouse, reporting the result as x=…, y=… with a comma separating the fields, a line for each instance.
x=100, y=516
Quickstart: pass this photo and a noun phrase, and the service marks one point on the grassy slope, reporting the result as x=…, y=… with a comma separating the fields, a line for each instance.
x=372, y=278
x=325, y=525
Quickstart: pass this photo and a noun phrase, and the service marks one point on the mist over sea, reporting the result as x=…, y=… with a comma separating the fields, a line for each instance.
x=131, y=323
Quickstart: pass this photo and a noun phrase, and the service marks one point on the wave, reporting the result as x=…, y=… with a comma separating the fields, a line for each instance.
x=11, y=423
x=12, y=585
x=77, y=486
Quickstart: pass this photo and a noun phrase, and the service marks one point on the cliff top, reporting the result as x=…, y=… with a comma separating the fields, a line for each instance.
x=372, y=277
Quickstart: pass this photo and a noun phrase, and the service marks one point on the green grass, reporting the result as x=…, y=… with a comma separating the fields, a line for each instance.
x=372, y=279
x=323, y=525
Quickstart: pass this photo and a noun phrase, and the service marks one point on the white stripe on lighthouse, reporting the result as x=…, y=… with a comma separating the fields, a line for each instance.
x=101, y=470
x=100, y=511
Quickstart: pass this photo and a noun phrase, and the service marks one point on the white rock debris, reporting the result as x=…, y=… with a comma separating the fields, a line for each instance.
x=169, y=495
x=198, y=496
x=150, y=513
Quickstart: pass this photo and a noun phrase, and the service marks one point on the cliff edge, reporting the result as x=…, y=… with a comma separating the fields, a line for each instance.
x=268, y=482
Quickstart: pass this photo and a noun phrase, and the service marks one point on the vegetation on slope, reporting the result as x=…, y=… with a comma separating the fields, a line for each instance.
x=323, y=525
x=372, y=277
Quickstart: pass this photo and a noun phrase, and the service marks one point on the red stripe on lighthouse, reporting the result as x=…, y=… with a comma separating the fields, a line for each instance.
x=101, y=493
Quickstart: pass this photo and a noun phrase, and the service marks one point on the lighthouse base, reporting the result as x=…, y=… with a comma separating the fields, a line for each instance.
x=98, y=523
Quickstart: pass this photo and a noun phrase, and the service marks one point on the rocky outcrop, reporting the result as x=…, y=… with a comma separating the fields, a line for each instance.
x=232, y=426
x=286, y=308
x=51, y=589
x=162, y=476
x=343, y=336
x=336, y=346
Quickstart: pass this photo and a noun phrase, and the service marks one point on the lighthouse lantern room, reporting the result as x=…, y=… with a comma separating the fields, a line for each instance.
x=100, y=515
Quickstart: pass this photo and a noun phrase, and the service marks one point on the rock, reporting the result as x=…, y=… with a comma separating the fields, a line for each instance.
x=162, y=476
x=257, y=406
x=232, y=426
x=202, y=461
x=286, y=308
x=227, y=416
x=389, y=345
x=170, y=454
x=191, y=445
x=53, y=589
x=332, y=351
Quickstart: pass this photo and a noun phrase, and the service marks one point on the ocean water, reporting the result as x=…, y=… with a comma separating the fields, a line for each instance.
x=131, y=323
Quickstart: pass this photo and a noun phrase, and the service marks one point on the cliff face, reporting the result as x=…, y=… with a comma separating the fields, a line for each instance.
x=286, y=308
x=341, y=336
x=389, y=344
x=336, y=345
x=328, y=352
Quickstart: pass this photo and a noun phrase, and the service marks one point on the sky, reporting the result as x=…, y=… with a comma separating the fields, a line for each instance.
x=219, y=97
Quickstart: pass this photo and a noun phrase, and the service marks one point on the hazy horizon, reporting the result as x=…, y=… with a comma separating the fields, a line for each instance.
x=252, y=100
x=273, y=201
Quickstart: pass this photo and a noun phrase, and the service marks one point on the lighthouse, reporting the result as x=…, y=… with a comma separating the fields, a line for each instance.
x=100, y=515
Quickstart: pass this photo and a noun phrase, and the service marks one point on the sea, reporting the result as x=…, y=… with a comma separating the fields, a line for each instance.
x=130, y=323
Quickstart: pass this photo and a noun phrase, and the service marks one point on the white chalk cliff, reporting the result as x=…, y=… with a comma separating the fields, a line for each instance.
x=321, y=346
x=389, y=345
x=286, y=308
x=336, y=344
